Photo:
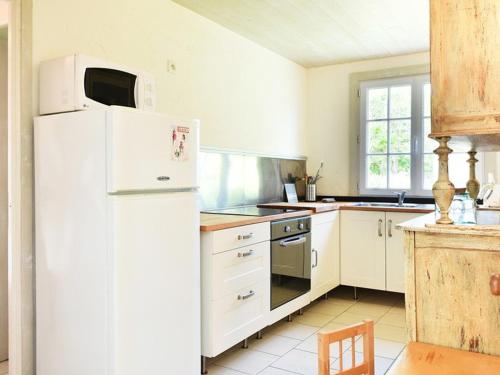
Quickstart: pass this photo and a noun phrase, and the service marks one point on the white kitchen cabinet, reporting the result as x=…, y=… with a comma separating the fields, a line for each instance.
x=235, y=290
x=372, y=249
x=362, y=249
x=394, y=251
x=325, y=258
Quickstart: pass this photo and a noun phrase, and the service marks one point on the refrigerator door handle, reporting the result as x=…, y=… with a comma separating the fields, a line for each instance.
x=163, y=178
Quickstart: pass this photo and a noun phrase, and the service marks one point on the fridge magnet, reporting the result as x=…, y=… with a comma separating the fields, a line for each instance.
x=180, y=141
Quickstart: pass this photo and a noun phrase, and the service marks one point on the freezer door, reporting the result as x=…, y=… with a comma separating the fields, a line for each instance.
x=156, y=284
x=150, y=151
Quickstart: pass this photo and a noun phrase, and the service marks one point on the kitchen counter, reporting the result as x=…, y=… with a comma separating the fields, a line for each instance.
x=318, y=207
x=420, y=208
x=213, y=222
x=488, y=224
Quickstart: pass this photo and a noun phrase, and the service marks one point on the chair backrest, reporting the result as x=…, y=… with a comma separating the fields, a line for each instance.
x=326, y=338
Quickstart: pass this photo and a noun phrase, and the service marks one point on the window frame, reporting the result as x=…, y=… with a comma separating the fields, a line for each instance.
x=417, y=140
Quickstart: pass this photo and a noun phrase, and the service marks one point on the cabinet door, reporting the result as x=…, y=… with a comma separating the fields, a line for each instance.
x=394, y=251
x=325, y=262
x=362, y=249
x=454, y=304
x=465, y=61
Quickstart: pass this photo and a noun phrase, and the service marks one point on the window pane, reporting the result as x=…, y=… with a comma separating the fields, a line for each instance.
x=427, y=100
x=400, y=136
x=430, y=170
x=457, y=168
x=377, y=103
x=399, y=172
x=376, y=172
x=429, y=144
x=377, y=137
x=400, y=101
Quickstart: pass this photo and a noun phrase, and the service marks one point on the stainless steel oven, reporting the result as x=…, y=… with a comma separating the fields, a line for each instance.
x=290, y=259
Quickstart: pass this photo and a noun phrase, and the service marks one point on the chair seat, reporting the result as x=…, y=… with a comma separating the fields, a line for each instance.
x=426, y=359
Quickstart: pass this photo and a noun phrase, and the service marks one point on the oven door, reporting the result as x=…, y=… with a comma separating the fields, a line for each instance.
x=290, y=268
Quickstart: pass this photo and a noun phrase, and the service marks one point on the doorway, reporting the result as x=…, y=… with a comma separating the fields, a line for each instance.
x=4, y=320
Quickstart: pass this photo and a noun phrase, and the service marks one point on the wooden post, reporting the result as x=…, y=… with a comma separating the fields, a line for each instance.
x=473, y=183
x=443, y=190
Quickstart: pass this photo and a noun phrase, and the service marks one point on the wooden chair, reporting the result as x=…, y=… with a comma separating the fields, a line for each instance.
x=326, y=338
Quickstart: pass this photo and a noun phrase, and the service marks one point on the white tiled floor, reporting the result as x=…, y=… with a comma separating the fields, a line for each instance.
x=4, y=368
x=289, y=348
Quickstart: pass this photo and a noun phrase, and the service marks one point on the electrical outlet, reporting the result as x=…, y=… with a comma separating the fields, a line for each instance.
x=171, y=68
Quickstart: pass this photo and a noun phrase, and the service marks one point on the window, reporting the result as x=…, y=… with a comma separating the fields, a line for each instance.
x=396, y=152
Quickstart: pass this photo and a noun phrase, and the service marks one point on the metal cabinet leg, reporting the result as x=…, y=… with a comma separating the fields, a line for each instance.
x=356, y=297
x=325, y=295
x=244, y=344
x=259, y=335
x=289, y=318
x=204, y=369
x=301, y=312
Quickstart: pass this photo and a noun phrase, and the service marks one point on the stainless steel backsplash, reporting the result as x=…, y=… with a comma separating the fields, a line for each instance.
x=230, y=179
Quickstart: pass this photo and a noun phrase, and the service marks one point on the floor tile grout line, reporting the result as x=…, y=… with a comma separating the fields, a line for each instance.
x=277, y=368
x=301, y=341
x=317, y=329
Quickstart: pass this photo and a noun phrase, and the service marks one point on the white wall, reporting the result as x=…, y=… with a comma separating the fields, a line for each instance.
x=4, y=339
x=329, y=131
x=4, y=13
x=246, y=96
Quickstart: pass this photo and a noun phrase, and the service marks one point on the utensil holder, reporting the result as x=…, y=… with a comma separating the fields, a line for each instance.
x=311, y=192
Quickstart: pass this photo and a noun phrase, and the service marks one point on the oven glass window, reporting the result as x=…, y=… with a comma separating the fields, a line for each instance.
x=110, y=87
x=290, y=268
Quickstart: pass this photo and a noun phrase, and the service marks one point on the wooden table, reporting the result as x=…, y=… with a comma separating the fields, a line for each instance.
x=425, y=359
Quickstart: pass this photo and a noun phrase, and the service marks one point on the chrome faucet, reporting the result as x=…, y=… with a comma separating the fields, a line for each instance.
x=401, y=197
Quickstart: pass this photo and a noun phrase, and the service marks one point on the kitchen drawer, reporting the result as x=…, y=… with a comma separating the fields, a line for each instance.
x=239, y=268
x=234, y=319
x=237, y=237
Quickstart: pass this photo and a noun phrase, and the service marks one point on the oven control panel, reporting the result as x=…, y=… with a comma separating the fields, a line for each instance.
x=290, y=227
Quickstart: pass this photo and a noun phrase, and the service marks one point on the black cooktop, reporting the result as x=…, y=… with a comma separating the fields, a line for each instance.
x=249, y=211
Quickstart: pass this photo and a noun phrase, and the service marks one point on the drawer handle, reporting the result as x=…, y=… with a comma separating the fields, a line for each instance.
x=245, y=254
x=293, y=241
x=246, y=296
x=245, y=236
x=380, y=227
x=389, y=230
x=495, y=284
x=315, y=252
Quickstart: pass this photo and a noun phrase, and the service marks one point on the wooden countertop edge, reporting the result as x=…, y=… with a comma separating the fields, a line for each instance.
x=316, y=209
x=248, y=220
x=416, y=210
x=426, y=224
x=346, y=206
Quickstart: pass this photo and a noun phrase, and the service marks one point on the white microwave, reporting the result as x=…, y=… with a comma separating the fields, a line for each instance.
x=79, y=82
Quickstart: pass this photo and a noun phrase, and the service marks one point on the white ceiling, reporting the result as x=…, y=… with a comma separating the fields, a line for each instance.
x=323, y=32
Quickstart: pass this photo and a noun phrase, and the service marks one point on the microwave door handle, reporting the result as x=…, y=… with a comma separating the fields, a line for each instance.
x=293, y=241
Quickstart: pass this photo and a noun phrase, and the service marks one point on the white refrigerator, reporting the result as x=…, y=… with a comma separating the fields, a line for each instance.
x=117, y=244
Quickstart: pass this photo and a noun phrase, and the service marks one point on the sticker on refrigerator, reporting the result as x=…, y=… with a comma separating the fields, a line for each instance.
x=180, y=141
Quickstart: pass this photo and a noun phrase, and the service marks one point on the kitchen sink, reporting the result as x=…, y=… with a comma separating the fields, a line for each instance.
x=383, y=204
